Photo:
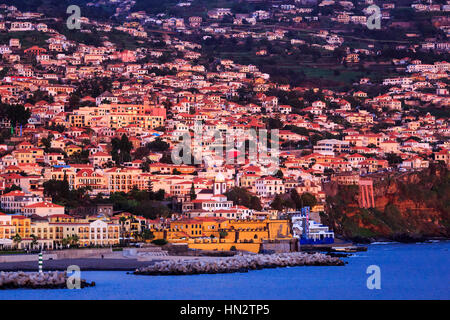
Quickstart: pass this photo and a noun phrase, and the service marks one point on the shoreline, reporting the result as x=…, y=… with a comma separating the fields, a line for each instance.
x=85, y=264
x=120, y=264
x=405, y=239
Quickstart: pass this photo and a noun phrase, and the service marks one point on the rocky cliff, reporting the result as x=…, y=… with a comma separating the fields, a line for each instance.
x=408, y=206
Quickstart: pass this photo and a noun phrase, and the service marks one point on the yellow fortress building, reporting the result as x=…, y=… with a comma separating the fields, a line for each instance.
x=208, y=233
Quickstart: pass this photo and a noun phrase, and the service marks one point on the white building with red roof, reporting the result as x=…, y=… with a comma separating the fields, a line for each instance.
x=269, y=186
x=43, y=209
x=16, y=200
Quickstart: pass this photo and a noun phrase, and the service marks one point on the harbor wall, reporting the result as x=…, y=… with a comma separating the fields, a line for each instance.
x=25, y=257
x=278, y=247
x=82, y=253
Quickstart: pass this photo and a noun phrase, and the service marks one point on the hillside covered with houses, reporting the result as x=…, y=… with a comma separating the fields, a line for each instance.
x=94, y=119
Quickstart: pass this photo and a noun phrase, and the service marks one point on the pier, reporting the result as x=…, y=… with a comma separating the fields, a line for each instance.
x=243, y=263
x=37, y=280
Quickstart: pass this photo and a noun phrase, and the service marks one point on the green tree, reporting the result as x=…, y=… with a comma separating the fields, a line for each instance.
x=393, y=159
x=274, y=123
x=308, y=200
x=279, y=174
x=34, y=240
x=296, y=199
x=158, y=145
x=159, y=242
x=17, y=115
x=146, y=234
x=46, y=142
x=17, y=239
x=160, y=195
x=141, y=153
x=79, y=157
x=277, y=203
x=74, y=240
x=192, y=192
x=57, y=189
x=12, y=188
x=65, y=242
x=223, y=234
x=136, y=236
x=121, y=149
x=241, y=196
x=122, y=221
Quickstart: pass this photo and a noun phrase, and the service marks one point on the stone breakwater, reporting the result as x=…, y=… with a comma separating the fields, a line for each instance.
x=242, y=263
x=36, y=280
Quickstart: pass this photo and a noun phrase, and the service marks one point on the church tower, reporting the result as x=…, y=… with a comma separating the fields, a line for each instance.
x=220, y=186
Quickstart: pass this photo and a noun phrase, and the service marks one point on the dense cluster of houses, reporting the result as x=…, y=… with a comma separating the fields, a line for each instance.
x=152, y=101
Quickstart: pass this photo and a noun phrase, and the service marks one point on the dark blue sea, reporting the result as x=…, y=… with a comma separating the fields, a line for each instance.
x=407, y=271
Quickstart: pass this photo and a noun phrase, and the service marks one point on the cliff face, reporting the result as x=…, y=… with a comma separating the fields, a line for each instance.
x=410, y=205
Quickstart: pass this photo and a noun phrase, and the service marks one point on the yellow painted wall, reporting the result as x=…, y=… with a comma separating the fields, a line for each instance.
x=251, y=233
x=23, y=226
x=279, y=229
x=251, y=247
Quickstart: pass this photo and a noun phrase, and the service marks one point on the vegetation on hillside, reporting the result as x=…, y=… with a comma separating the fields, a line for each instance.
x=414, y=205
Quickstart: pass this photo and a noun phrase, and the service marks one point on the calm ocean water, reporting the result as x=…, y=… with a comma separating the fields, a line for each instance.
x=408, y=271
